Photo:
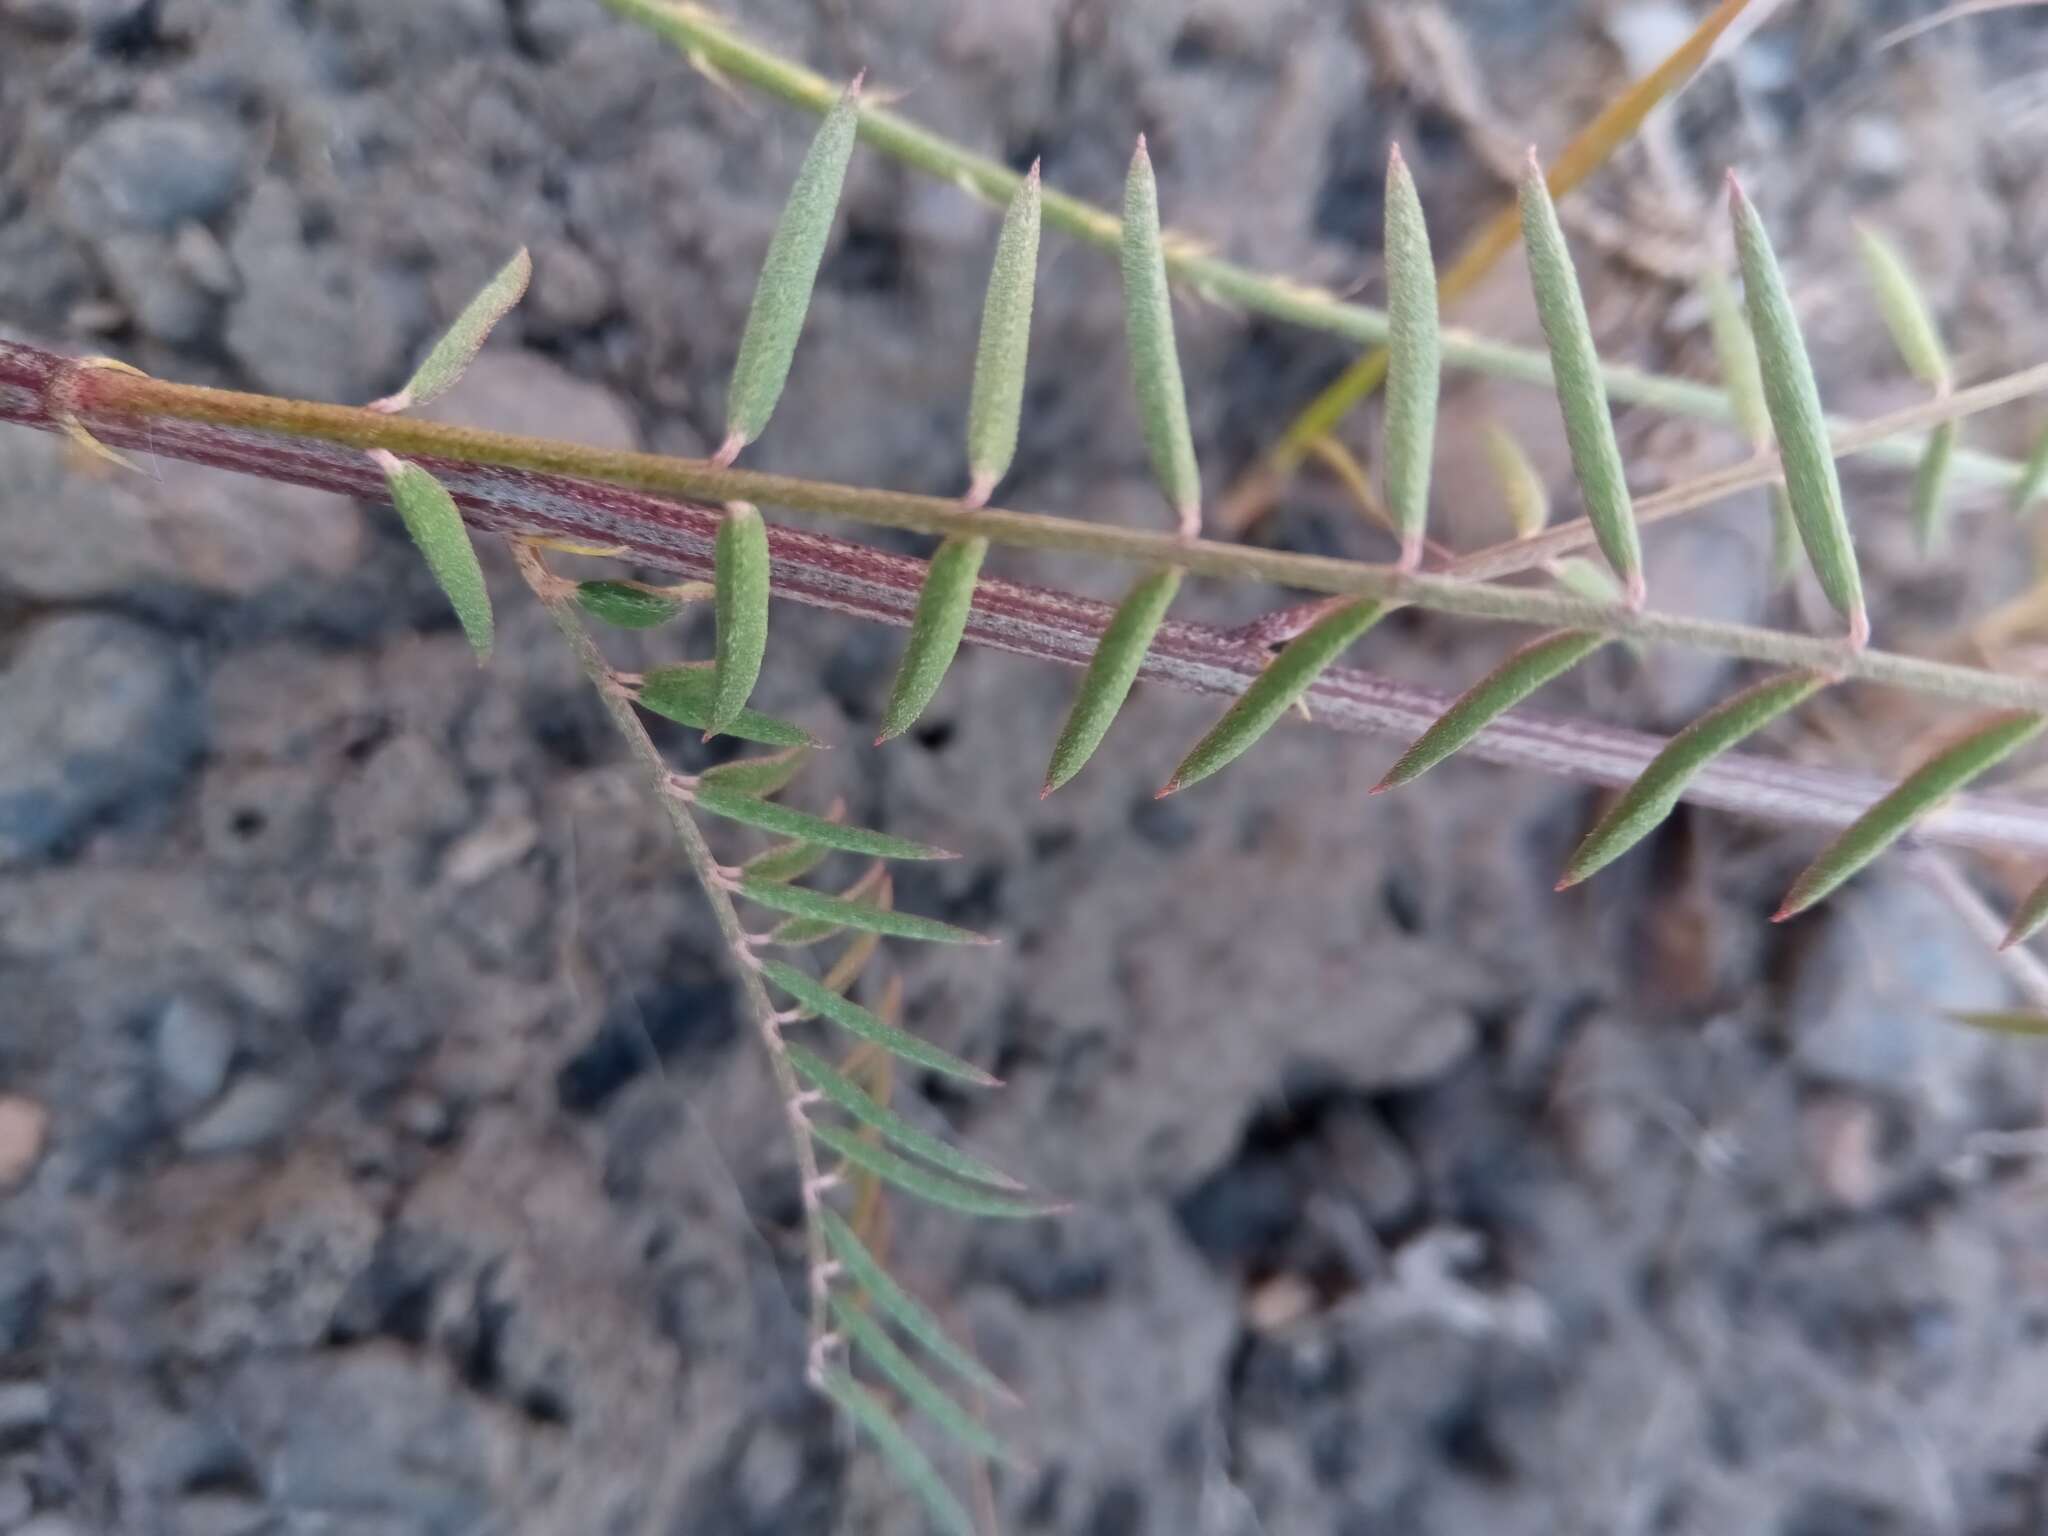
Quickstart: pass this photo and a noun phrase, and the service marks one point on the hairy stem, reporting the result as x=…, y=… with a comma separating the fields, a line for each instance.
x=122, y=407
x=830, y=573
x=715, y=47
x=559, y=598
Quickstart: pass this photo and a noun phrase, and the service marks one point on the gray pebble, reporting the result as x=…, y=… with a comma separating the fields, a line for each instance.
x=24, y=1409
x=254, y=1112
x=150, y=173
x=194, y=1044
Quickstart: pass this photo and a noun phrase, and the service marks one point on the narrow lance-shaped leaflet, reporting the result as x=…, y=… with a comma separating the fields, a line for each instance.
x=683, y=693
x=844, y=1093
x=1524, y=671
x=1793, y=397
x=996, y=405
x=898, y=1449
x=943, y=606
x=459, y=345
x=751, y=810
x=763, y=775
x=1521, y=484
x=741, y=575
x=1921, y=791
x=635, y=605
x=871, y=1340
x=1414, y=360
x=800, y=901
x=913, y=1179
x=874, y=888
x=1918, y=340
x=430, y=516
x=860, y=1022
x=1581, y=392
x=1742, y=376
x=1155, y=357
x=1111, y=671
x=782, y=296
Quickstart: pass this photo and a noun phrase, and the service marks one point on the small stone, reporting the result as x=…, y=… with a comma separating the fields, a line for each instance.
x=24, y=1410
x=1841, y=1134
x=255, y=1111
x=24, y=1127
x=15, y=1501
x=150, y=172
x=194, y=1044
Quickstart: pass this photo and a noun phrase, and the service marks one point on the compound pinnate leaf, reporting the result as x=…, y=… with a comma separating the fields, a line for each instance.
x=2033, y=475
x=943, y=604
x=1521, y=674
x=849, y=1096
x=684, y=693
x=1930, y=480
x=2031, y=918
x=856, y=1020
x=897, y=1449
x=430, y=516
x=997, y=403
x=751, y=810
x=1274, y=691
x=631, y=605
x=1904, y=308
x=1155, y=358
x=741, y=581
x=799, y=901
x=915, y=1179
x=1581, y=392
x=757, y=775
x=1414, y=359
x=1923, y=789
x=457, y=349
x=903, y=1309
x=872, y=1341
x=1811, y=482
x=1111, y=671
x=1657, y=789
x=1521, y=484
x=782, y=296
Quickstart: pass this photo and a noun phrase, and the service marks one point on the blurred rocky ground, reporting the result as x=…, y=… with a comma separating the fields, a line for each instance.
x=380, y=1153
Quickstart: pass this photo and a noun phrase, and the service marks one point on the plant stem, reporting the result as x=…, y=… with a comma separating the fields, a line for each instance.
x=127, y=408
x=558, y=597
x=848, y=578
x=717, y=49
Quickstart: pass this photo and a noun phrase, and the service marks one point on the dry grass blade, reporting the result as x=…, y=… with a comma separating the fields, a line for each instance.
x=1588, y=424
x=1521, y=674
x=457, y=349
x=860, y=1022
x=782, y=296
x=741, y=582
x=431, y=517
x=935, y=630
x=1794, y=400
x=1155, y=357
x=1414, y=360
x=1259, y=708
x=1893, y=816
x=997, y=404
x=1657, y=789
x=1111, y=671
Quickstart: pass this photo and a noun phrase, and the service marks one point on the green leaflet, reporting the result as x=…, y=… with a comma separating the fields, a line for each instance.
x=1414, y=363
x=2003, y=1021
x=1111, y=671
x=757, y=775
x=943, y=605
x=1811, y=483
x=1888, y=820
x=741, y=565
x=848, y=1095
x=630, y=604
x=1582, y=578
x=430, y=516
x=867, y=1336
x=2033, y=476
x=914, y=1179
x=1657, y=789
x=997, y=403
x=1155, y=361
x=683, y=694
x=898, y=1449
x=1904, y=309
x=751, y=810
x=846, y=970
x=1742, y=376
x=1930, y=479
x=2030, y=919
x=782, y=296
x=903, y=1309
x=785, y=861
x=856, y=1020
x=458, y=347
x=1521, y=486
x=1521, y=674
x=873, y=888
x=1581, y=393
x=1286, y=679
